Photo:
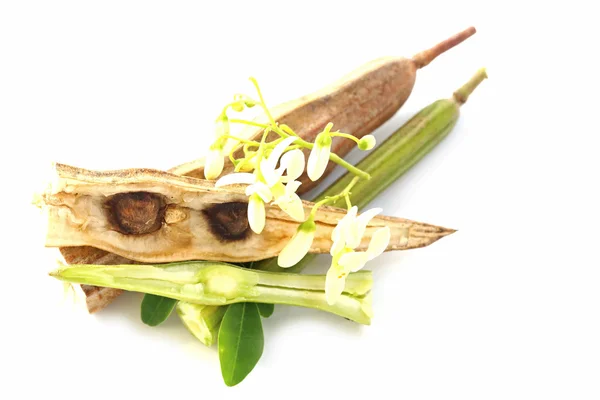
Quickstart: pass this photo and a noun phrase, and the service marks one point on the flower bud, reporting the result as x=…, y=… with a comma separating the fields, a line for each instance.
x=238, y=106
x=214, y=164
x=367, y=142
x=319, y=156
x=222, y=125
x=256, y=213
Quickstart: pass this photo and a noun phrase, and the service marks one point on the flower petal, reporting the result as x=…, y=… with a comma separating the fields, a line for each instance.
x=236, y=178
x=335, y=281
x=294, y=163
x=317, y=161
x=279, y=149
x=214, y=164
x=366, y=216
x=267, y=165
x=256, y=213
x=379, y=242
x=260, y=189
x=339, y=232
x=278, y=190
x=297, y=247
x=269, y=173
x=337, y=247
x=292, y=186
x=292, y=205
x=263, y=191
x=348, y=230
x=360, y=225
x=353, y=261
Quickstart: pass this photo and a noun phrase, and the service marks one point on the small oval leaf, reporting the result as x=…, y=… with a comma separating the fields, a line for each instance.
x=156, y=309
x=241, y=342
x=265, y=310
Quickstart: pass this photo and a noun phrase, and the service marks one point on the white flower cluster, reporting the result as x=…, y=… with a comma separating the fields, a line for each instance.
x=272, y=173
x=346, y=237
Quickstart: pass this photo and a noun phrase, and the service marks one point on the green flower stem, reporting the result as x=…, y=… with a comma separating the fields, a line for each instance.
x=246, y=122
x=262, y=101
x=345, y=194
x=245, y=141
x=289, y=131
x=346, y=136
x=261, y=151
x=216, y=284
x=338, y=160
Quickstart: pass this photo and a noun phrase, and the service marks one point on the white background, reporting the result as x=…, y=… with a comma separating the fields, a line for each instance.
x=508, y=307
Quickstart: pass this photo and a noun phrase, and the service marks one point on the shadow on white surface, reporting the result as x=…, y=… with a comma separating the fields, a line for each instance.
x=124, y=312
x=289, y=317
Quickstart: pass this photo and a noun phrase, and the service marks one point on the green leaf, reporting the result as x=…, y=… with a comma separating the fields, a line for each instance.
x=156, y=309
x=265, y=310
x=241, y=342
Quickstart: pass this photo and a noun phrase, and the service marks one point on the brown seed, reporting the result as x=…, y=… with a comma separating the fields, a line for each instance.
x=229, y=221
x=136, y=213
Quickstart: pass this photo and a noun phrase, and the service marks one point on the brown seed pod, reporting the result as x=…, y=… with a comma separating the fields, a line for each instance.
x=357, y=104
x=211, y=225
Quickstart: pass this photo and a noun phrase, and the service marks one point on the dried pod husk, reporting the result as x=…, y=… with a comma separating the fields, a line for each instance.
x=151, y=216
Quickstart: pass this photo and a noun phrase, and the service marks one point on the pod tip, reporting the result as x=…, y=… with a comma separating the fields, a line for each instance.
x=425, y=57
x=462, y=94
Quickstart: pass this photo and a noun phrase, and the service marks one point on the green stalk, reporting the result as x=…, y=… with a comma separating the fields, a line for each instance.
x=215, y=284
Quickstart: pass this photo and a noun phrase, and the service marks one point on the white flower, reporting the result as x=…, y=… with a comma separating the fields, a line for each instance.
x=268, y=185
x=347, y=236
x=319, y=155
x=298, y=246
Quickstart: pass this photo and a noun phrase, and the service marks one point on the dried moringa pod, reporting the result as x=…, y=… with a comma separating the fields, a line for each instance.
x=152, y=216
